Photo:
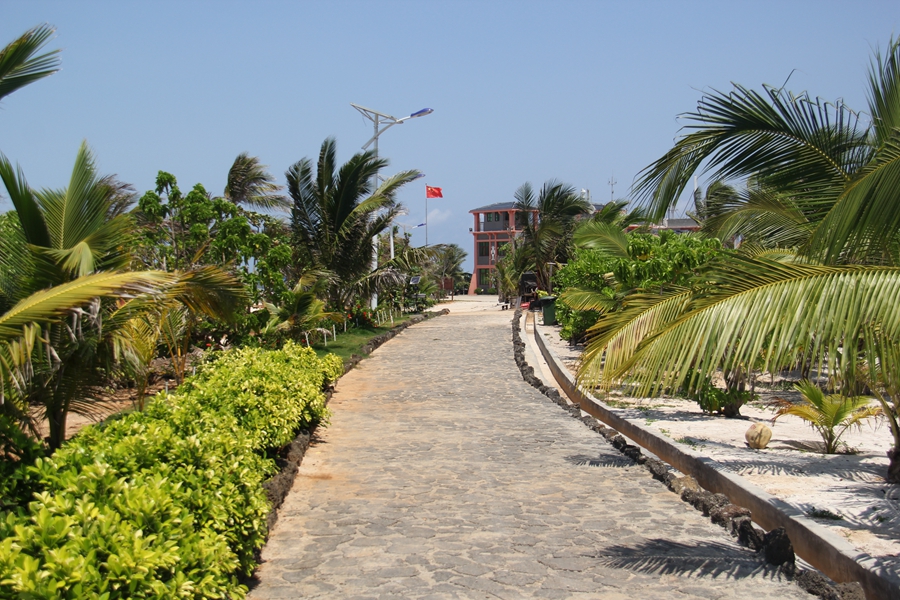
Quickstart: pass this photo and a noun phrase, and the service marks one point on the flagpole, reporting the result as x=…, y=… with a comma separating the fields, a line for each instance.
x=426, y=215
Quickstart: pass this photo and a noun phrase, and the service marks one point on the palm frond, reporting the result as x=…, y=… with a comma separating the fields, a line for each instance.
x=796, y=143
x=756, y=306
x=51, y=304
x=604, y=236
x=584, y=299
x=617, y=335
x=30, y=216
x=250, y=183
x=759, y=215
x=20, y=63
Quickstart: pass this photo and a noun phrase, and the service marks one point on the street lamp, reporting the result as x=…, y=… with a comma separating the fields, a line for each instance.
x=382, y=122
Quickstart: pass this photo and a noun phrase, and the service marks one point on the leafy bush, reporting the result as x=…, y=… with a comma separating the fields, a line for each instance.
x=711, y=399
x=653, y=262
x=167, y=502
x=361, y=316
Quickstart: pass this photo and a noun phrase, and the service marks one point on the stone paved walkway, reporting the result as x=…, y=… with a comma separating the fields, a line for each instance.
x=443, y=475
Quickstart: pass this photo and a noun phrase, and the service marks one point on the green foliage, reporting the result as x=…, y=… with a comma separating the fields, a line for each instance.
x=167, y=502
x=711, y=399
x=178, y=231
x=647, y=262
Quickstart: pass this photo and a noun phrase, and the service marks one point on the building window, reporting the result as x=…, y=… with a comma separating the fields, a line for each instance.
x=483, y=248
x=490, y=217
x=497, y=217
x=484, y=277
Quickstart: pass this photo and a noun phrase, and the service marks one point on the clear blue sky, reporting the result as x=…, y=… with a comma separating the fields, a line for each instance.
x=521, y=91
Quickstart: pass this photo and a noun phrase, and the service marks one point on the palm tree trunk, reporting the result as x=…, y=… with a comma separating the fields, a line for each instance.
x=57, y=421
x=893, y=474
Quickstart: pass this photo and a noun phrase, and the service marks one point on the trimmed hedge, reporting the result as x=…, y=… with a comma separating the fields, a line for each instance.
x=165, y=503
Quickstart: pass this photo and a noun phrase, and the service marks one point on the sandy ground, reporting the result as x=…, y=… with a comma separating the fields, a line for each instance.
x=864, y=508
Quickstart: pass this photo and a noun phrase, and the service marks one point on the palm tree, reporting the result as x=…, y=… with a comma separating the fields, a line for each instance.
x=447, y=264
x=301, y=309
x=76, y=240
x=826, y=185
x=20, y=64
x=827, y=412
x=250, y=184
x=336, y=214
x=549, y=236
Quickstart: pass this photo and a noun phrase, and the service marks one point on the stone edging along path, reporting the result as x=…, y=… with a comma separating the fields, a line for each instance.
x=290, y=457
x=815, y=544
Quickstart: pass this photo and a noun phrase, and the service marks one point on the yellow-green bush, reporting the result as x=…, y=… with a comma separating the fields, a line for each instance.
x=167, y=502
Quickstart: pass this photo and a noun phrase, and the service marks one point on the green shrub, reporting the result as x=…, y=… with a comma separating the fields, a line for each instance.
x=711, y=399
x=167, y=502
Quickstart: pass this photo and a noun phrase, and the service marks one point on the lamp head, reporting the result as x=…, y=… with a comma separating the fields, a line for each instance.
x=421, y=113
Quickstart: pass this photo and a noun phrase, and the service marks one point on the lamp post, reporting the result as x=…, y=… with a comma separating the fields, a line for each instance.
x=381, y=123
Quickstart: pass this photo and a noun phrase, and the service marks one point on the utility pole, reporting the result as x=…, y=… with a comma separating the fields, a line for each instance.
x=612, y=187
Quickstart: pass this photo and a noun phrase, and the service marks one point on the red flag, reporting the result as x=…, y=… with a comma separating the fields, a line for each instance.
x=433, y=192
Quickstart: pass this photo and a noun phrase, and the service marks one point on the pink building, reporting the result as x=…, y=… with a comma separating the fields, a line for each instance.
x=495, y=225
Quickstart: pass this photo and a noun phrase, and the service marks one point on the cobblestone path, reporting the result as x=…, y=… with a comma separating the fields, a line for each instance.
x=443, y=475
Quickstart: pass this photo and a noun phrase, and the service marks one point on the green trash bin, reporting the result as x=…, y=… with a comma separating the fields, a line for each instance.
x=548, y=306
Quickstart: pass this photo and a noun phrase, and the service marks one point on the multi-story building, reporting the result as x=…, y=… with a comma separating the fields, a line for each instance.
x=495, y=225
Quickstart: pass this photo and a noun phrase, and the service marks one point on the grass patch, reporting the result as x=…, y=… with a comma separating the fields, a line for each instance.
x=688, y=441
x=354, y=339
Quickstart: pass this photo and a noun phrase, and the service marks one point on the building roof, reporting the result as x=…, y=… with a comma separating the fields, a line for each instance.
x=497, y=206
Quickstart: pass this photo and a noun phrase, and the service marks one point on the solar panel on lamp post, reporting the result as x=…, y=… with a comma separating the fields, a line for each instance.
x=382, y=122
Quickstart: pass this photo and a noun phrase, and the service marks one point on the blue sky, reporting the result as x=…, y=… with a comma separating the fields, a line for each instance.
x=521, y=91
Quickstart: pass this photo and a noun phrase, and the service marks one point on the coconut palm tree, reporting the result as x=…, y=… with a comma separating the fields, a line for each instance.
x=20, y=63
x=70, y=301
x=447, y=263
x=336, y=214
x=250, y=184
x=831, y=182
x=549, y=236
x=829, y=414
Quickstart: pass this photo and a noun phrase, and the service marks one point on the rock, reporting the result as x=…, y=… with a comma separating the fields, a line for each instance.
x=634, y=453
x=726, y=513
x=588, y=420
x=657, y=468
x=736, y=523
x=618, y=442
x=777, y=547
x=712, y=501
x=608, y=432
x=758, y=436
x=679, y=484
x=750, y=536
x=692, y=496
x=818, y=585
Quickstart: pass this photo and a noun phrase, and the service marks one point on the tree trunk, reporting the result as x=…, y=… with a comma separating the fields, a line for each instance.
x=57, y=421
x=893, y=474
